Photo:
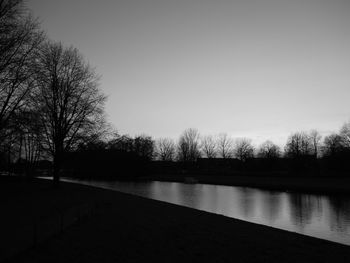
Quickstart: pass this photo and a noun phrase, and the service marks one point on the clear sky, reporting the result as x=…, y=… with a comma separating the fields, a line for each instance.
x=254, y=68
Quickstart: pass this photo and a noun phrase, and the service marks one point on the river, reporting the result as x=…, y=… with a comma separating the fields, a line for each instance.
x=322, y=216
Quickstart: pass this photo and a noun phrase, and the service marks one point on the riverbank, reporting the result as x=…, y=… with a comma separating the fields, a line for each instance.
x=126, y=228
x=304, y=184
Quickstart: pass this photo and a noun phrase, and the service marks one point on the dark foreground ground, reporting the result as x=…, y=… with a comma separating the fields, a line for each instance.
x=84, y=224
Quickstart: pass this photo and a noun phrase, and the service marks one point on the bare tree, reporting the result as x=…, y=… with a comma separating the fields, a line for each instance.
x=188, y=146
x=243, y=149
x=269, y=150
x=315, y=140
x=224, y=146
x=20, y=38
x=208, y=146
x=165, y=149
x=68, y=98
x=298, y=145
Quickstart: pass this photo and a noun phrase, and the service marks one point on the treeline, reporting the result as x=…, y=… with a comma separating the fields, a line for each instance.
x=49, y=96
x=125, y=157
x=191, y=146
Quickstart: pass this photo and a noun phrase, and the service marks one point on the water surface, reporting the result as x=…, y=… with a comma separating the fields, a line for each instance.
x=322, y=216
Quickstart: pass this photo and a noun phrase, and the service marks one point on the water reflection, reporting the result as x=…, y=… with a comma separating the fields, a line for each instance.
x=301, y=208
x=339, y=216
x=271, y=202
x=247, y=200
x=326, y=217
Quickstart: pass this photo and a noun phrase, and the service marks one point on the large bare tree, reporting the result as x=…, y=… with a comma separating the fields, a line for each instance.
x=20, y=38
x=68, y=97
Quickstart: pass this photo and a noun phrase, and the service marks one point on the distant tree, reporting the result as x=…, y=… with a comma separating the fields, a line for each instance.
x=269, y=150
x=121, y=142
x=208, y=146
x=336, y=154
x=345, y=134
x=68, y=98
x=144, y=146
x=333, y=145
x=188, y=146
x=243, y=149
x=315, y=141
x=95, y=144
x=20, y=39
x=224, y=146
x=298, y=145
x=165, y=149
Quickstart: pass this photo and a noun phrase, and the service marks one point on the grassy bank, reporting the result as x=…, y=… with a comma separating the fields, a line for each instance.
x=307, y=184
x=126, y=228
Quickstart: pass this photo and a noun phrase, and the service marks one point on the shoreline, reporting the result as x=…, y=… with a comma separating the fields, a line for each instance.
x=130, y=228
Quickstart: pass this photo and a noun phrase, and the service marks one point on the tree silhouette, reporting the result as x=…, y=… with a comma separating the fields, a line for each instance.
x=165, y=149
x=20, y=38
x=188, y=146
x=333, y=145
x=269, y=150
x=298, y=145
x=68, y=98
x=300, y=150
x=224, y=146
x=144, y=147
x=336, y=154
x=243, y=149
x=208, y=146
x=122, y=143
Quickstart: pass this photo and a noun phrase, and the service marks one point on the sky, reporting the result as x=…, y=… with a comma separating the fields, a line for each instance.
x=261, y=69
